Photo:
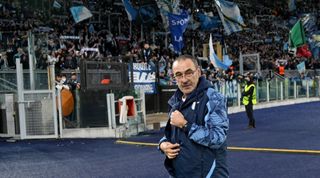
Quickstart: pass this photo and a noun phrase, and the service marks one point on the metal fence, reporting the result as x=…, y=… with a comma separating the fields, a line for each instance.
x=38, y=108
x=272, y=90
x=275, y=89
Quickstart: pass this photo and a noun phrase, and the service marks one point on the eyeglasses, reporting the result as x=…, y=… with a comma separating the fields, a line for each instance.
x=187, y=74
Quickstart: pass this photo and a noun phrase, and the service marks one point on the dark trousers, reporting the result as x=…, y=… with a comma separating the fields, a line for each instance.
x=249, y=111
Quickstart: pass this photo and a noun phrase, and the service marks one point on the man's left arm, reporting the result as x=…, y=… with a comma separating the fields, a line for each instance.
x=214, y=132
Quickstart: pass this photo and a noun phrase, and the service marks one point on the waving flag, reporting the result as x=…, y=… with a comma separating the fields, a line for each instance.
x=309, y=22
x=171, y=6
x=226, y=60
x=296, y=35
x=147, y=13
x=215, y=61
x=166, y=6
x=229, y=13
x=80, y=13
x=177, y=25
x=303, y=51
x=131, y=11
x=208, y=22
x=56, y=4
x=301, y=67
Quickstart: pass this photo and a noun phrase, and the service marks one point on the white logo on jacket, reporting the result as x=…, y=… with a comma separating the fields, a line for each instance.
x=193, y=107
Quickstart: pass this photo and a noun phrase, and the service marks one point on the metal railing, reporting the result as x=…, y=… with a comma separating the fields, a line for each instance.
x=7, y=85
x=272, y=90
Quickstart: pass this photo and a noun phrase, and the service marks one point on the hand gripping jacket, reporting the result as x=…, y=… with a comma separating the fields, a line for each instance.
x=202, y=142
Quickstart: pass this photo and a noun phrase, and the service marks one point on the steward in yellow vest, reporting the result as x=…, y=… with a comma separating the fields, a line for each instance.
x=249, y=99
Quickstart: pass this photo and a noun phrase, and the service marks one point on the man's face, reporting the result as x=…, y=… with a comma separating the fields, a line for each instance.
x=186, y=74
x=73, y=77
x=63, y=79
x=58, y=78
x=247, y=78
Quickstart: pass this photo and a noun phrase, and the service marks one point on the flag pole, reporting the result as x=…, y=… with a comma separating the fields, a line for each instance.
x=153, y=36
x=109, y=23
x=166, y=41
x=193, y=4
x=192, y=44
x=130, y=28
x=141, y=34
x=119, y=25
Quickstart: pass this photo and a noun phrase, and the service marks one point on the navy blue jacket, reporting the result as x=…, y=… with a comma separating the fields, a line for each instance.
x=202, y=142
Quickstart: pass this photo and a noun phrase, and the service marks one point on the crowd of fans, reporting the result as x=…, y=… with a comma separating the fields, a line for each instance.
x=108, y=31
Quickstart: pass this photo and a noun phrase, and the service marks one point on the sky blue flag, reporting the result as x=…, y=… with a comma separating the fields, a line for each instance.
x=80, y=13
x=301, y=67
x=131, y=11
x=230, y=16
x=216, y=62
x=56, y=4
x=208, y=22
x=226, y=60
x=177, y=26
x=165, y=7
x=145, y=13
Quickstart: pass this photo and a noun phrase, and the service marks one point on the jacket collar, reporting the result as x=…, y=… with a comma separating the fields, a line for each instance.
x=203, y=84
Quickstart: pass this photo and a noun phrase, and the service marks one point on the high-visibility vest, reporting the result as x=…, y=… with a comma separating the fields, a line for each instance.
x=281, y=70
x=245, y=99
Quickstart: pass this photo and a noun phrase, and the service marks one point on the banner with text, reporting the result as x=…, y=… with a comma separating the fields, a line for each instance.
x=177, y=25
x=144, y=78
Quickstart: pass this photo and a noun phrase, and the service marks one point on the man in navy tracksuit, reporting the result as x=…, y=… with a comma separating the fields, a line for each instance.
x=195, y=134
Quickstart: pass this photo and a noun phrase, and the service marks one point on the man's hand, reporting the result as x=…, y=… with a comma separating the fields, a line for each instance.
x=177, y=119
x=169, y=149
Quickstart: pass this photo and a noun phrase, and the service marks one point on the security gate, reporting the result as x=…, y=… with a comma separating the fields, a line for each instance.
x=37, y=109
x=39, y=119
